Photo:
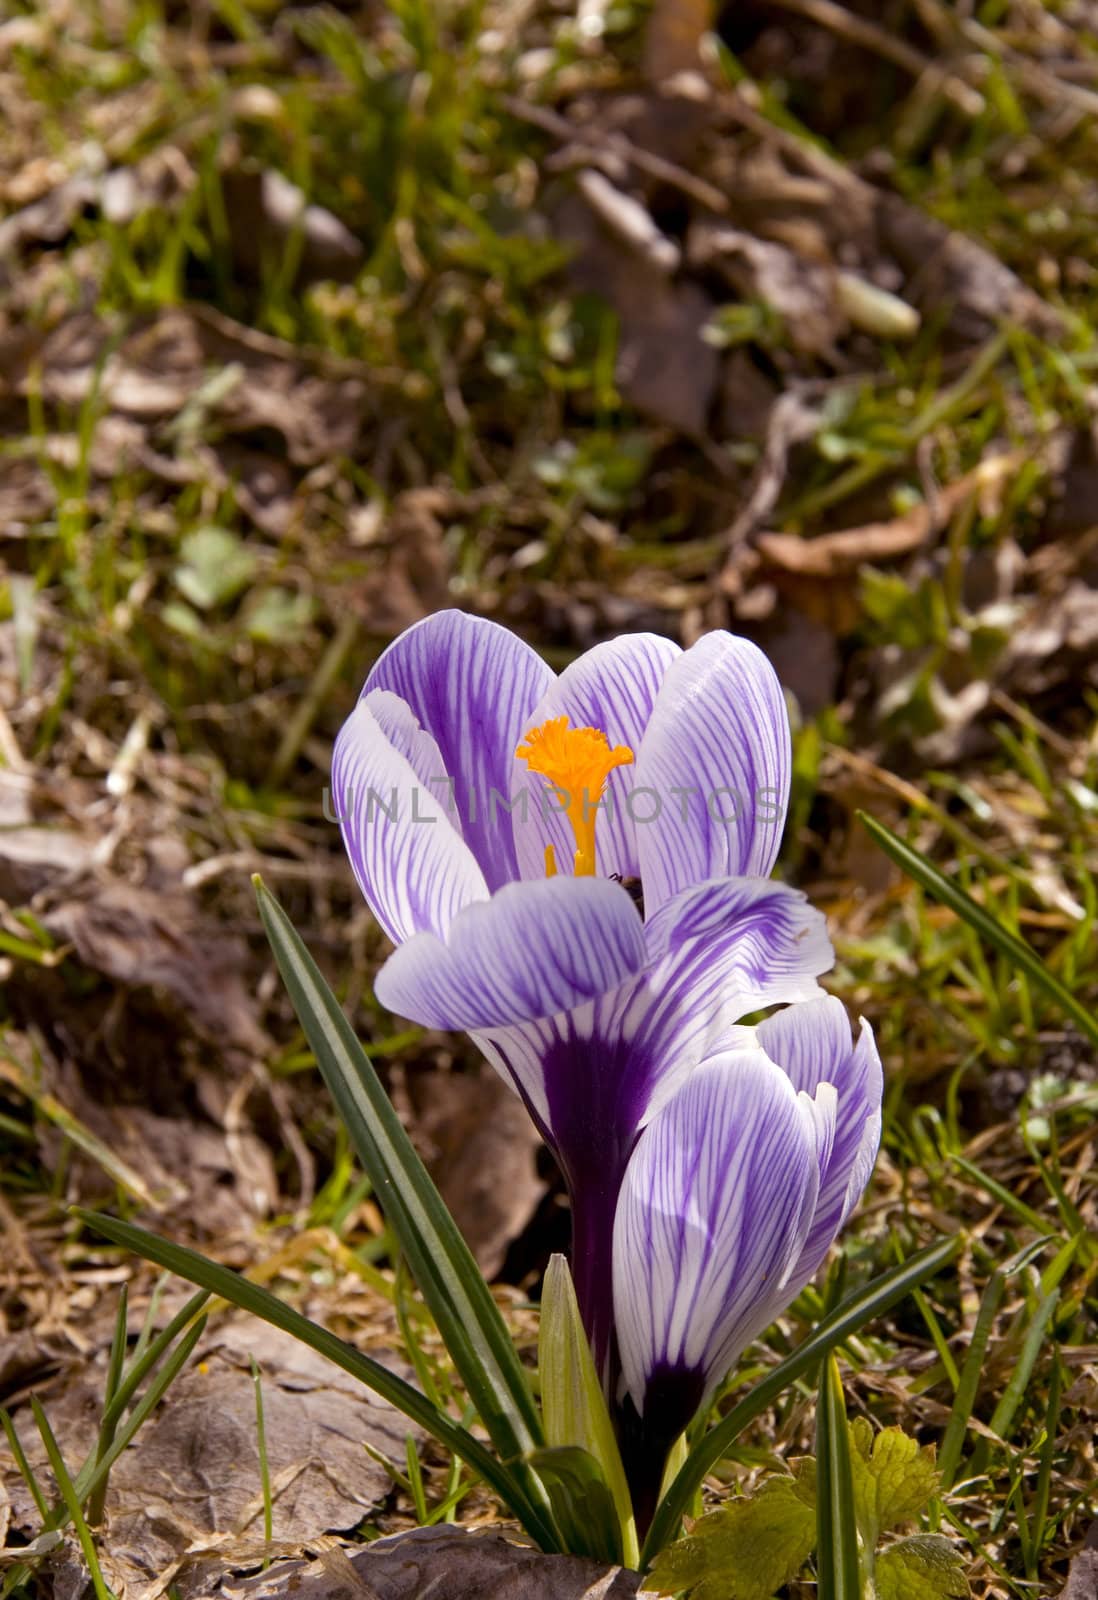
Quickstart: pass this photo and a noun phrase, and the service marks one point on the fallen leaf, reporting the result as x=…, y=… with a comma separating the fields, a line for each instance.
x=189, y=368
x=190, y=1483
x=269, y=215
x=32, y=857
x=1082, y=1580
x=830, y=555
x=481, y=1148
x=664, y=366
x=142, y=938
x=447, y=1564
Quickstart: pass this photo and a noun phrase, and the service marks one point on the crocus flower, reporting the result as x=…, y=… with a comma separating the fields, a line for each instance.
x=469, y=780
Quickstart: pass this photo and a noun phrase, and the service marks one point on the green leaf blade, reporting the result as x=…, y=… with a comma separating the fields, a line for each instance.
x=582, y=1504
x=573, y=1403
x=839, y=1566
x=440, y=1261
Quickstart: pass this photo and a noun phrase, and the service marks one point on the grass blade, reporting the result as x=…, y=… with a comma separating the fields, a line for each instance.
x=264, y=1464
x=836, y=1528
x=1003, y=1416
x=26, y=1471
x=950, y=894
x=114, y=1378
x=855, y=1311
x=964, y=1400
x=442, y=1264
x=71, y=1499
x=238, y=1291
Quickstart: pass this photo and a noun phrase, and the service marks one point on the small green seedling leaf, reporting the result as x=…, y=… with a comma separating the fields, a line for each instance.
x=747, y=1549
x=573, y=1405
x=751, y=1546
x=279, y=615
x=215, y=567
x=924, y=1567
x=895, y=1479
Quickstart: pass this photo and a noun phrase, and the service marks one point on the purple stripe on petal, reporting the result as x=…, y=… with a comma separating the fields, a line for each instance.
x=715, y=953
x=715, y=1205
x=717, y=754
x=591, y=1077
x=812, y=1044
x=532, y=950
x=472, y=685
x=400, y=726
x=612, y=687
x=718, y=952
x=413, y=868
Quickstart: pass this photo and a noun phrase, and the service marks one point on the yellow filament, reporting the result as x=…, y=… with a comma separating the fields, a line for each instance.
x=577, y=761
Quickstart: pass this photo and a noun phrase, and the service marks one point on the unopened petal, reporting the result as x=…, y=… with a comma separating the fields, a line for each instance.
x=712, y=1217
x=813, y=1046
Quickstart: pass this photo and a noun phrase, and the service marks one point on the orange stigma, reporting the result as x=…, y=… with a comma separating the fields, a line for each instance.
x=577, y=761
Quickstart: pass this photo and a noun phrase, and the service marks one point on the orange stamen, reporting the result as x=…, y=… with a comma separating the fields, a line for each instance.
x=577, y=761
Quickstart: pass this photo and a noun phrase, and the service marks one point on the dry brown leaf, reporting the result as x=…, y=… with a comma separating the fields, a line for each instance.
x=267, y=212
x=142, y=938
x=481, y=1148
x=191, y=1480
x=664, y=367
x=447, y=1564
x=189, y=368
x=937, y=270
x=831, y=555
x=804, y=293
x=1082, y=1582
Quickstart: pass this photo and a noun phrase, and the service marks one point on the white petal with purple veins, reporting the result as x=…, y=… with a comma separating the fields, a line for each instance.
x=472, y=686
x=715, y=953
x=412, y=866
x=812, y=1045
x=719, y=951
x=714, y=1209
x=717, y=753
x=612, y=687
x=532, y=950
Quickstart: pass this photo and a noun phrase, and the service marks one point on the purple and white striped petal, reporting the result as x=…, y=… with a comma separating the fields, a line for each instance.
x=714, y=1210
x=716, y=756
x=531, y=950
x=593, y=1076
x=719, y=951
x=812, y=1044
x=472, y=685
x=413, y=867
x=612, y=687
